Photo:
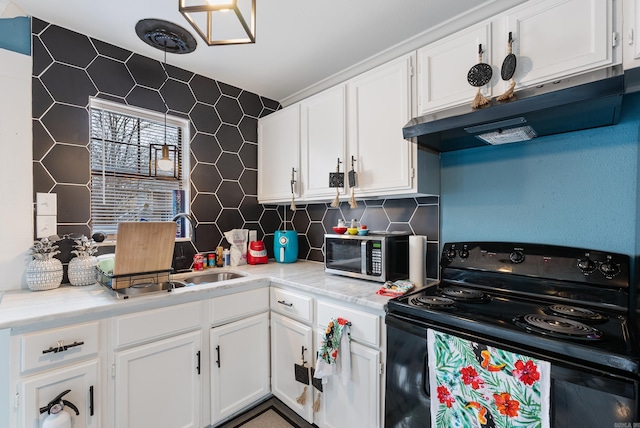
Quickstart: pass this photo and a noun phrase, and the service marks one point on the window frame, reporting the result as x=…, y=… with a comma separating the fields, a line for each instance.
x=159, y=118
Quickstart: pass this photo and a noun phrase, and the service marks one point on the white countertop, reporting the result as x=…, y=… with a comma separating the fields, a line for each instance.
x=24, y=307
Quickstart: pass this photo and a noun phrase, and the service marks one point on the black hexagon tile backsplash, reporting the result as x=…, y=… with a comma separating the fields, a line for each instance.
x=69, y=67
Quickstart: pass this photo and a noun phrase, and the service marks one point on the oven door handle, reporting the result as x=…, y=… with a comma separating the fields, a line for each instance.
x=425, y=377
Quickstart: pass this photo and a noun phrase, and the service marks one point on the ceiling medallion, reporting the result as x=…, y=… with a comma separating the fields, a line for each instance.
x=222, y=22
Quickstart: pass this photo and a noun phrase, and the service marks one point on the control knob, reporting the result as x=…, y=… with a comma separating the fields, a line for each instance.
x=586, y=265
x=516, y=257
x=451, y=254
x=609, y=268
x=464, y=253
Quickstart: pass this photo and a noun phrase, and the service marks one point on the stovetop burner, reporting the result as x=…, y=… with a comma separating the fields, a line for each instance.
x=572, y=312
x=558, y=327
x=465, y=294
x=434, y=302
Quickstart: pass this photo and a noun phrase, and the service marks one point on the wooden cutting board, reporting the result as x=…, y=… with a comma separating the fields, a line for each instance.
x=145, y=246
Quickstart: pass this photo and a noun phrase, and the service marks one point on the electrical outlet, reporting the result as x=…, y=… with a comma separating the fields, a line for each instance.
x=46, y=226
x=46, y=204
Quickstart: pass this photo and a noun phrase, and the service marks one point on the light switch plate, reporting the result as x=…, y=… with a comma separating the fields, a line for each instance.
x=46, y=204
x=46, y=226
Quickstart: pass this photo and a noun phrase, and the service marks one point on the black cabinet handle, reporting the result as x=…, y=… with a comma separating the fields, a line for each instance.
x=198, y=367
x=60, y=347
x=282, y=302
x=91, y=400
x=218, y=352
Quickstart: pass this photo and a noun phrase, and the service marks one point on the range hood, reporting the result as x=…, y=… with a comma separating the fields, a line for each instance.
x=583, y=102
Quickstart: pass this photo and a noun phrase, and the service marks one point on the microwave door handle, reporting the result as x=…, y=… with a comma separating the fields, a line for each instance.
x=363, y=257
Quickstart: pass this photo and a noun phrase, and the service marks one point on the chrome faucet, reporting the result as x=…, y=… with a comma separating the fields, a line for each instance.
x=191, y=220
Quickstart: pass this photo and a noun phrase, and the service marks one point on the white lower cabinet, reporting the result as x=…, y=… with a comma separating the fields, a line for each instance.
x=239, y=365
x=158, y=384
x=155, y=367
x=291, y=341
x=356, y=403
x=82, y=382
x=359, y=401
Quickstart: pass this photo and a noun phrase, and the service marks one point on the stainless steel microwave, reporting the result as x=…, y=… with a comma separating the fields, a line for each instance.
x=376, y=256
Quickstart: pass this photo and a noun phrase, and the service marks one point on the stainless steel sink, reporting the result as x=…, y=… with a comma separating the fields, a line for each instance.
x=210, y=277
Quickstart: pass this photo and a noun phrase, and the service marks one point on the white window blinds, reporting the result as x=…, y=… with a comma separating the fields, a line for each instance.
x=122, y=185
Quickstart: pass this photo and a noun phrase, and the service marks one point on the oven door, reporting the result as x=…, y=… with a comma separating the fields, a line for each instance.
x=581, y=396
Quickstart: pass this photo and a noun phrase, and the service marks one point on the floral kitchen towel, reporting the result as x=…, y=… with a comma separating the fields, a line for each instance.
x=334, y=355
x=478, y=386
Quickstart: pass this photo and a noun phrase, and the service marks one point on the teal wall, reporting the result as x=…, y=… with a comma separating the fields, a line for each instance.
x=577, y=189
x=15, y=34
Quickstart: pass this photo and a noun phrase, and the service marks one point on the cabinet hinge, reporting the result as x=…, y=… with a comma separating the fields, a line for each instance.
x=381, y=368
x=16, y=402
x=113, y=371
x=614, y=39
x=413, y=173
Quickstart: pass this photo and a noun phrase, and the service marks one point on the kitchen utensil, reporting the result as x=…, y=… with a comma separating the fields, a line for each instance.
x=508, y=70
x=293, y=182
x=339, y=230
x=478, y=76
x=363, y=232
x=352, y=184
x=336, y=179
x=143, y=247
x=285, y=246
x=352, y=230
x=301, y=373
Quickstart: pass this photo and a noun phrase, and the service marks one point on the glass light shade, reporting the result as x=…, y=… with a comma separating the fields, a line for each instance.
x=165, y=163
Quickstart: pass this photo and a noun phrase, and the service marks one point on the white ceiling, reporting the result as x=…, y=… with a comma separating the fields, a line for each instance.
x=301, y=46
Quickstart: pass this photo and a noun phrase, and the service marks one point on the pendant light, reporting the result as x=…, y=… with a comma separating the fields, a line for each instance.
x=166, y=36
x=222, y=22
x=165, y=163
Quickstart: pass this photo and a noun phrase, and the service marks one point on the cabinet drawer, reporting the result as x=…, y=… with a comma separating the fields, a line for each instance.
x=365, y=327
x=238, y=305
x=291, y=304
x=155, y=324
x=61, y=345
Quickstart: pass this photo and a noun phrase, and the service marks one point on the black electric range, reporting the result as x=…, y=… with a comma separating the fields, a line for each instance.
x=569, y=306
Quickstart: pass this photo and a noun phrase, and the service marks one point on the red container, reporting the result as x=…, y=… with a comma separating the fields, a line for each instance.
x=198, y=262
x=257, y=253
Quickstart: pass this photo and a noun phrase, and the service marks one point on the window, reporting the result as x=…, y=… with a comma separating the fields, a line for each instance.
x=125, y=183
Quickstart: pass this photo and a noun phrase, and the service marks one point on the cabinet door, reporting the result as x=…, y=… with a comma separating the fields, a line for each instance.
x=278, y=155
x=443, y=67
x=288, y=340
x=379, y=105
x=239, y=365
x=558, y=38
x=323, y=141
x=158, y=384
x=358, y=403
x=38, y=391
x=631, y=13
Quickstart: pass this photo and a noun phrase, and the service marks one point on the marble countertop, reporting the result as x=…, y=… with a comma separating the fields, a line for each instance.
x=24, y=307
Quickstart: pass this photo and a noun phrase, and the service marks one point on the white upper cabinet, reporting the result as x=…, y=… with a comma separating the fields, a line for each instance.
x=323, y=141
x=554, y=39
x=443, y=67
x=279, y=155
x=361, y=119
x=629, y=39
x=380, y=103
